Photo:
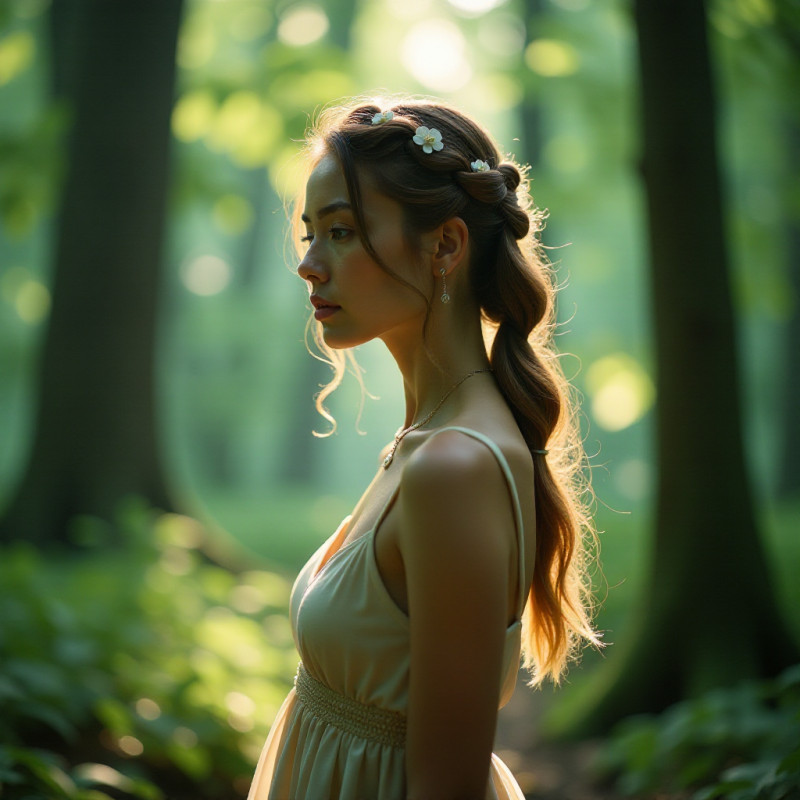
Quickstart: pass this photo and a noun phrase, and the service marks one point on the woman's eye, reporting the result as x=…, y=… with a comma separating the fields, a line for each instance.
x=337, y=234
x=307, y=239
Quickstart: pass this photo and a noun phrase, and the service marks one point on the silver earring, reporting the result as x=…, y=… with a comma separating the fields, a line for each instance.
x=445, y=296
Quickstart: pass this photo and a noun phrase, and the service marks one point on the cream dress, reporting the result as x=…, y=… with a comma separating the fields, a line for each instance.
x=340, y=733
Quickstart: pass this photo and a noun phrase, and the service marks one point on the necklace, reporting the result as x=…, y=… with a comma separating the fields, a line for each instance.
x=403, y=433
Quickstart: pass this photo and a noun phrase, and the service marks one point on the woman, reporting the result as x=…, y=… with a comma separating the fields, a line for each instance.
x=409, y=619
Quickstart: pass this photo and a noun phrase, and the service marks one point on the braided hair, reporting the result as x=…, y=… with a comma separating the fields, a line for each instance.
x=512, y=283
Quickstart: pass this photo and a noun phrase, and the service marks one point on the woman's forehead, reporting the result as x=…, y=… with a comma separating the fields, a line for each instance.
x=326, y=193
x=325, y=188
x=327, y=184
x=327, y=176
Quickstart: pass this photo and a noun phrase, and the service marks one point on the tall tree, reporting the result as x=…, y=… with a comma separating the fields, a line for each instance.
x=789, y=475
x=788, y=28
x=708, y=617
x=95, y=437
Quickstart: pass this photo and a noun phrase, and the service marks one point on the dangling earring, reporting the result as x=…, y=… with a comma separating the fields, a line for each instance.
x=445, y=296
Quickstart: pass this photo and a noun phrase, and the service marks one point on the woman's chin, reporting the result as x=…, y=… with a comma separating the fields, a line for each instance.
x=338, y=340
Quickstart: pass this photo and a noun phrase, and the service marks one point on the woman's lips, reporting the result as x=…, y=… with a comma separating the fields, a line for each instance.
x=322, y=308
x=323, y=312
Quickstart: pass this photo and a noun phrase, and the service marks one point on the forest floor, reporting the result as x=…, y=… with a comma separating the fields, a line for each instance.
x=544, y=770
x=549, y=770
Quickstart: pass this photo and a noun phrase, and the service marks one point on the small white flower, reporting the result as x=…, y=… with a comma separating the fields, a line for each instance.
x=382, y=116
x=480, y=166
x=428, y=138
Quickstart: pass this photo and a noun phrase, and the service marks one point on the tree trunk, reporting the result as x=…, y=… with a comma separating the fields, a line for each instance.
x=709, y=617
x=789, y=475
x=95, y=439
x=788, y=27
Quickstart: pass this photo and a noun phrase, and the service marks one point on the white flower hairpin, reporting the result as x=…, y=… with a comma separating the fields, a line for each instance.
x=480, y=166
x=382, y=116
x=429, y=139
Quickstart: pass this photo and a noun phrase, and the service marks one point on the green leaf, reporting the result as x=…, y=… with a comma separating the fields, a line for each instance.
x=52, y=717
x=790, y=763
x=722, y=789
x=116, y=716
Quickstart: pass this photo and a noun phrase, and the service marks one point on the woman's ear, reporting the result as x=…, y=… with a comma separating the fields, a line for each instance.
x=449, y=245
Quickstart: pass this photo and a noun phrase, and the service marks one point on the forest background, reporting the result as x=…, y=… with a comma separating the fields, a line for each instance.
x=157, y=642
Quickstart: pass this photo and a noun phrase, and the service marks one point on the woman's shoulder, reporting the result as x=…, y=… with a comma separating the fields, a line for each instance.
x=451, y=494
x=450, y=459
x=455, y=480
x=467, y=450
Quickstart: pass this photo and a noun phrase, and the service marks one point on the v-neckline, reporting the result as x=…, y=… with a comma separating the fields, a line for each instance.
x=329, y=556
x=344, y=527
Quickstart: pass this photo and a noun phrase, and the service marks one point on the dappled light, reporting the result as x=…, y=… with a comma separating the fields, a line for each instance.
x=246, y=127
x=503, y=35
x=303, y=25
x=17, y=51
x=206, y=275
x=193, y=115
x=434, y=52
x=475, y=7
x=197, y=43
x=160, y=485
x=29, y=297
x=251, y=22
x=32, y=302
x=147, y=708
x=175, y=645
x=621, y=391
x=497, y=93
x=552, y=58
x=409, y=9
x=130, y=745
x=233, y=214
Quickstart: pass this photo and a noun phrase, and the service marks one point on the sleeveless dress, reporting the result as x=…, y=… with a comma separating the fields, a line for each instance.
x=340, y=733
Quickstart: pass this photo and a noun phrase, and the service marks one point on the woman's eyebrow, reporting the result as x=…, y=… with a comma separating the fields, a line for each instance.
x=337, y=205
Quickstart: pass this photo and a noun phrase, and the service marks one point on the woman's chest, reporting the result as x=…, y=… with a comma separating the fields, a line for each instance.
x=342, y=611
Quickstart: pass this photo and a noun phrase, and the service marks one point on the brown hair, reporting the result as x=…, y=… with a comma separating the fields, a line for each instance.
x=512, y=282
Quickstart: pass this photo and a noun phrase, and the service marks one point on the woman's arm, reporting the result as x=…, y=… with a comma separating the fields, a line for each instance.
x=456, y=539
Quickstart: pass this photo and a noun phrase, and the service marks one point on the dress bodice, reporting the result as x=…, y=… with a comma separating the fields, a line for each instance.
x=354, y=642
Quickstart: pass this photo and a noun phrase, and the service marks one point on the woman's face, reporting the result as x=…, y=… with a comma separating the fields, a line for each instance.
x=354, y=299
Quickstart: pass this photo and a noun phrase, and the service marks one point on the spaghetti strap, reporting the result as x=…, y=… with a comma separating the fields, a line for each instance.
x=522, y=595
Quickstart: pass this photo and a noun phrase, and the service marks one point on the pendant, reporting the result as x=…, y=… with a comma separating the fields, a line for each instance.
x=390, y=455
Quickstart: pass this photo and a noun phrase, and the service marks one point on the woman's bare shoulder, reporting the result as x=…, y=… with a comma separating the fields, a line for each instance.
x=449, y=458
x=451, y=490
x=455, y=448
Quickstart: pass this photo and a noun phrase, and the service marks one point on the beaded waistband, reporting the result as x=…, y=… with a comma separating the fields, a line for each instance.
x=367, y=722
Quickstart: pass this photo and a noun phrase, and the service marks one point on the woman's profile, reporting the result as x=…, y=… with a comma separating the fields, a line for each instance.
x=466, y=550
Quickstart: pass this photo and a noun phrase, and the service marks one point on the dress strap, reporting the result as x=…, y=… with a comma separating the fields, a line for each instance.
x=522, y=595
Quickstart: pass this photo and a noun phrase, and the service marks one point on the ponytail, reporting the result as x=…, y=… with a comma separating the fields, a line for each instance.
x=517, y=294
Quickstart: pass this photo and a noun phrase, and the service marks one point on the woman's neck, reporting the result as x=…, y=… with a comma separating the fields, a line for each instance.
x=455, y=348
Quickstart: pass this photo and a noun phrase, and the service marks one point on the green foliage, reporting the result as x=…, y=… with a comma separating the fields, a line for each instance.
x=143, y=668
x=741, y=743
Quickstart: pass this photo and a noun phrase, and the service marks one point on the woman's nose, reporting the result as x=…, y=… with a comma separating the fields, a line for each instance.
x=310, y=269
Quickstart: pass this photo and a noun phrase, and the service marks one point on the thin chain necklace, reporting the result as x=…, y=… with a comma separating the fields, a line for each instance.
x=403, y=433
